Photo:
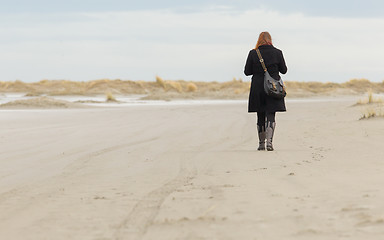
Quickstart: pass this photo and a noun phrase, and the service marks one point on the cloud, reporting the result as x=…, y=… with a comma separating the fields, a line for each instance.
x=208, y=45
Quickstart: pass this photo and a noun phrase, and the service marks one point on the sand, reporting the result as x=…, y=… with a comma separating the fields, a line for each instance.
x=191, y=172
x=39, y=103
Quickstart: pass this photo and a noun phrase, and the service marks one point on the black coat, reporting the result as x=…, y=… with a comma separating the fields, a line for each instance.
x=274, y=61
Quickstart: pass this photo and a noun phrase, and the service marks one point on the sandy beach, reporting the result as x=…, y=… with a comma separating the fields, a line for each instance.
x=191, y=172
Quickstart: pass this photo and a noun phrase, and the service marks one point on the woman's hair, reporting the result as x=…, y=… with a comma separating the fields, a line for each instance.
x=264, y=39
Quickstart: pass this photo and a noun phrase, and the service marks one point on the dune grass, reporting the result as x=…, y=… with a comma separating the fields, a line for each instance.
x=191, y=87
x=235, y=88
x=372, y=113
x=160, y=82
x=110, y=97
x=371, y=99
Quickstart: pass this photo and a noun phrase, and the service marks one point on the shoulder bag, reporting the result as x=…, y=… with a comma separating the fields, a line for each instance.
x=272, y=87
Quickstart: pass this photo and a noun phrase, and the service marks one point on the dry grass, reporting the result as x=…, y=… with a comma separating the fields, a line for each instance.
x=172, y=85
x=314, y=87
x=352, y=87
x=372, y=113
x=32, y=94
x=160, y=82
x=370, y=99
x=191, y=87
x=110, y=97
x=170, y=89
x=374, y=108
x=40, y=102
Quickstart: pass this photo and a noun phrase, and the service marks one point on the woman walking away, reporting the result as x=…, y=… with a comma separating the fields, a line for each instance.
x=265, y=106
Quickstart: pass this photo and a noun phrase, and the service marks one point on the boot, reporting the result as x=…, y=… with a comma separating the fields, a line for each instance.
x=270, y=129
x=261, y=132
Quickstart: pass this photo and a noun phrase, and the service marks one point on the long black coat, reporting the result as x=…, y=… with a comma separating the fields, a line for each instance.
x=275, y=63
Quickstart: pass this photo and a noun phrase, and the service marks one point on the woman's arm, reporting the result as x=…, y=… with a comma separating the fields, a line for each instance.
x=282, y=67
x=248, y=69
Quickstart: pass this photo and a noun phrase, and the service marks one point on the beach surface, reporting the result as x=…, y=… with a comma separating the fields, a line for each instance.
x=191, y=171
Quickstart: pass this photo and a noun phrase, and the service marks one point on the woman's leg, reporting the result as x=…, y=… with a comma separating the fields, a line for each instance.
x=261, y=130
x=270, y=129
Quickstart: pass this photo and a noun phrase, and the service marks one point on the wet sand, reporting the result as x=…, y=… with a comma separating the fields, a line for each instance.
x=191, y=172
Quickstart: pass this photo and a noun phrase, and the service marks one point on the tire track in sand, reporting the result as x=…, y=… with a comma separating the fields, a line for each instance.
x=27, y=190
x=141, y=217
x=135, y=225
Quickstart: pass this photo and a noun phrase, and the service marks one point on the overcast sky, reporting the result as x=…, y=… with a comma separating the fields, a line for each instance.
x=191, y=40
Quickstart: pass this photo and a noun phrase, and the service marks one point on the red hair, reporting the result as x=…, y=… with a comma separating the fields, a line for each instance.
x=264, y=39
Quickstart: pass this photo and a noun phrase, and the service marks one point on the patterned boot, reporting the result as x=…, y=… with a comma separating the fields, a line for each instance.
x=270, y=129
x=261, y=131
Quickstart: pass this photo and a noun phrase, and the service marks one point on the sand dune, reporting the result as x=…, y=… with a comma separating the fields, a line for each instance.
x=191, y=172
x=170, y=89
x=40, y=102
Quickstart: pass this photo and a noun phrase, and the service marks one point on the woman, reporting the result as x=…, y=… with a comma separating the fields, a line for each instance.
x=265, y=106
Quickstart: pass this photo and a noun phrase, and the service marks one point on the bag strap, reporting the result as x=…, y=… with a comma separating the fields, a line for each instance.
x=261, y=60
